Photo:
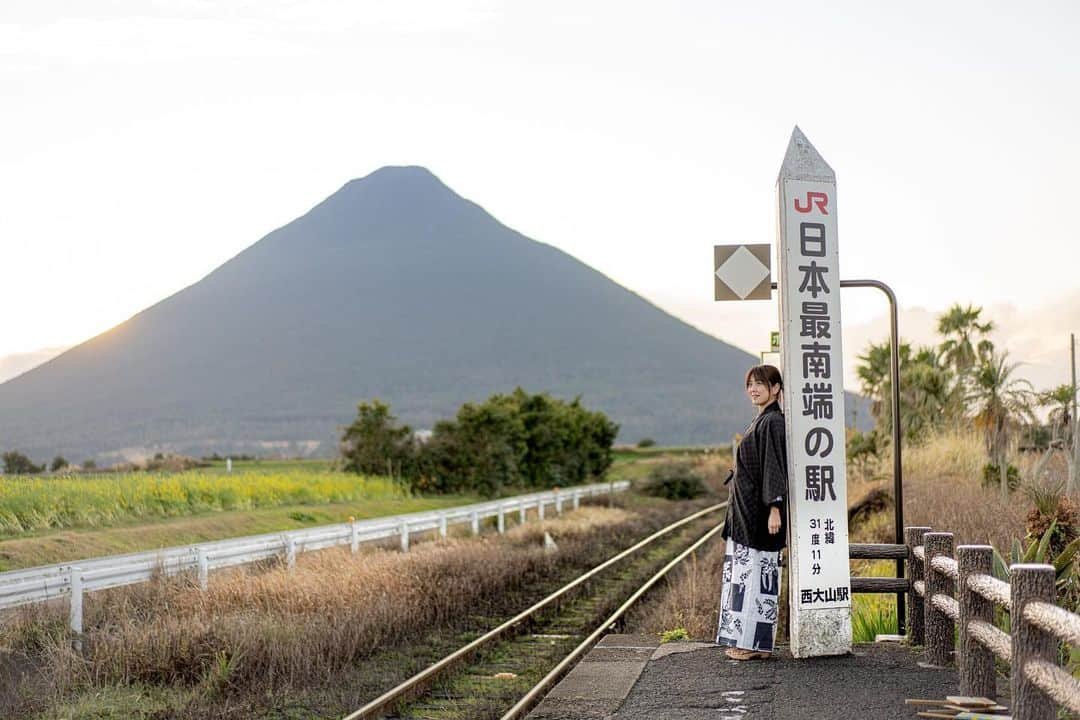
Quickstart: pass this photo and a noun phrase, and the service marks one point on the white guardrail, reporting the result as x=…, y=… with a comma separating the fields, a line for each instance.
x=73, y=579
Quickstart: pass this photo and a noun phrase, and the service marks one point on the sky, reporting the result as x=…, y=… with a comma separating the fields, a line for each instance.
x=145, y=142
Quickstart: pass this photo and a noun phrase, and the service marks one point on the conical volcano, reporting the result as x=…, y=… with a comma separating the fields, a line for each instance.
x=393, y=287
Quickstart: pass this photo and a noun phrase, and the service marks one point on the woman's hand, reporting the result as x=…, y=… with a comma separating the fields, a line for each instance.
x=774, y=520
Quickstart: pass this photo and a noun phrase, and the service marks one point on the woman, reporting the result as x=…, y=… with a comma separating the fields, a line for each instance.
x=754, y=529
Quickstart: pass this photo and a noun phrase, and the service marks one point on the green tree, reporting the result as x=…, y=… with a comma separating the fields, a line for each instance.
x=374, y=444
x=15, y=463
x=58, y=463
x=1000, y=402
x=965, y=344
x=1062, y=431
x=1059, y=400
x=482, y=449
x=515, y=441
x=925, y=388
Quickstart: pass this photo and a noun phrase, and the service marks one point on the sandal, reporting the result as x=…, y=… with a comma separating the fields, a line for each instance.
x=740, y=654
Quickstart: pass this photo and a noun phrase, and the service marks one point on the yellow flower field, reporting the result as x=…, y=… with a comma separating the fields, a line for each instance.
x=30, y=503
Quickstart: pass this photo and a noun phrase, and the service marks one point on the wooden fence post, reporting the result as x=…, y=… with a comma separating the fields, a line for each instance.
x=977, y=676
x=939, y=627
x=913, y=537
x=1030, y=582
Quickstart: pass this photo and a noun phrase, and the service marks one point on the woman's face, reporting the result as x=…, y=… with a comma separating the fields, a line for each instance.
x=760, y=393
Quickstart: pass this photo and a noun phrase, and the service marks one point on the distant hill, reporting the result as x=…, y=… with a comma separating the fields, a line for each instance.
x=393, y=287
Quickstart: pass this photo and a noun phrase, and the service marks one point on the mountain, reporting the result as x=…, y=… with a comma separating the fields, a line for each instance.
x=393, y=287
x=17, y=363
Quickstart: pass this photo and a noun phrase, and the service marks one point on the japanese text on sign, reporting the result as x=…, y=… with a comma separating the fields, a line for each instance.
x=814, y=376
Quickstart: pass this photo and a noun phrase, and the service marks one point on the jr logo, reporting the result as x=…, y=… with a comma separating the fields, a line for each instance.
x=813, y=198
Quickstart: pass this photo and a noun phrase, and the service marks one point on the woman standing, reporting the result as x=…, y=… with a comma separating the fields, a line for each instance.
x=754, y=529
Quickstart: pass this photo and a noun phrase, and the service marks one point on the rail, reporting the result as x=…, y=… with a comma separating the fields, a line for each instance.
x=74, y=579
x=949, y=593
x=377, y=706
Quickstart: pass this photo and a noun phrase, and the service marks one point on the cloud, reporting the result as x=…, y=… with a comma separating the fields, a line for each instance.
x=1036, y=337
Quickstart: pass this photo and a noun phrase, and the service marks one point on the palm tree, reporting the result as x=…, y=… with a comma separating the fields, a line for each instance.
x=873, y=374
x=1062, y=429
x=925, y=388
x=964, y=346
x=1000, y=401
x=925, y=392
x=1059, y=400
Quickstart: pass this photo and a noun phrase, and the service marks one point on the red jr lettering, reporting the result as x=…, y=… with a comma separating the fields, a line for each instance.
x=813, y=198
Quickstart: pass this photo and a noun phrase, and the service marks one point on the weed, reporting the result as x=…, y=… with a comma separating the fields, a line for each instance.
x=674, y=635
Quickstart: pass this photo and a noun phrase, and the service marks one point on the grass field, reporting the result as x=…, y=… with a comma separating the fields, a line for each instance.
x=30, y=503
x=270, y=642
x=48, y=519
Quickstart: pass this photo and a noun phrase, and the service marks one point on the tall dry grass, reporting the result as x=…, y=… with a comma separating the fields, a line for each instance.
x=689, y=598
x=942, y=489
x=261, y=632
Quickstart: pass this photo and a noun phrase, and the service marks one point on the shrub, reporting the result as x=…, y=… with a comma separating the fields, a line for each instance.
x=646, y=442
x=675, y=481
x=58, y=463
x=991, y=476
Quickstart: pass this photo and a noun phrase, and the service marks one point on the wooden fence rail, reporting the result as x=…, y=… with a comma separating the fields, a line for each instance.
x=947, y=591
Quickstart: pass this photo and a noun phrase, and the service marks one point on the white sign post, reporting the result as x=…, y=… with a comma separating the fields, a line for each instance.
x=809, y=282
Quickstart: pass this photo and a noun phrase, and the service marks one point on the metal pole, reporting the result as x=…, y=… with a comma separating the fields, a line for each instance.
x=1075, y=449
x=898, y=472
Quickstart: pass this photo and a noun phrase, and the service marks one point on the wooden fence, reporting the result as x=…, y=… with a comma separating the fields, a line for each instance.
x=947, y=592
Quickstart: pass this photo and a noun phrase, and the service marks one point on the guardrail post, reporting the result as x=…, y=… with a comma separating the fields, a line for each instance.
x=939, y=628
x=502, y=519
x=76, y=619
x=577, y=499
x=204, y=568
x=474, y=519
x=976, y=662
x=404, y=536
x=354, y=537
x=540, y=509
x=558, y=502
x=442, y=525
x=521, y=511
x=913, y=537
x=290, y=552
x=1030, y=582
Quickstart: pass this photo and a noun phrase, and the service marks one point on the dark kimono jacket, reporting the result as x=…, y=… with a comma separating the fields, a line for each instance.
x=760, y=482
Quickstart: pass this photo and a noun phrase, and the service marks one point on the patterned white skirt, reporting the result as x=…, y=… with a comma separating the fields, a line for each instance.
x=749, y=600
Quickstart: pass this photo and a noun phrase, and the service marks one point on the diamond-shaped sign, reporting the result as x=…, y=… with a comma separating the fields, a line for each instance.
x=742, y=272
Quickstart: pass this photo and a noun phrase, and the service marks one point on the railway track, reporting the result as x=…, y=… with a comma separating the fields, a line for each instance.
x=503, y=673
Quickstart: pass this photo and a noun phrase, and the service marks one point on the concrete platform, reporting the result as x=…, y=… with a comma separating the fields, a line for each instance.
x=633, y=677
